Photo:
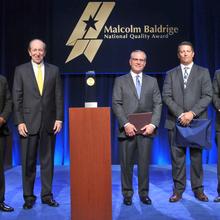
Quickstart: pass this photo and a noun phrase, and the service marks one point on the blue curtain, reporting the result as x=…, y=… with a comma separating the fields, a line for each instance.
x=16, y=16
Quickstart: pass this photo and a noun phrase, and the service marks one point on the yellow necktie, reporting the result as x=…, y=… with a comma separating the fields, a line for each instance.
x=40, y=81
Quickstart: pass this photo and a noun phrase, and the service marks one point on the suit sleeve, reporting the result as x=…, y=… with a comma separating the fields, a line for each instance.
x=157, y=105
x=17, y=94
x=206, y=94
x=167, y=95
x=7, y=109
x=117, y=103
x=59, y=97
x=216, y=92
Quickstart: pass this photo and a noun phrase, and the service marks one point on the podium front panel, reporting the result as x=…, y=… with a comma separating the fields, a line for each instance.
x=90, y=163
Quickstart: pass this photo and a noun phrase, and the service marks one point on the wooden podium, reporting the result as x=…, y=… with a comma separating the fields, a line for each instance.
x=90, y=164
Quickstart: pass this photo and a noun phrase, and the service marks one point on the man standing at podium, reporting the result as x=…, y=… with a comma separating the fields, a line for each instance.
x=38, y=113
x=136, y=92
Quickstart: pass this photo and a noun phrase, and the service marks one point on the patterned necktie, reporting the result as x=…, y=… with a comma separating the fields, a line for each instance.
x=185, y=76
x=40, y=81
x=138, y=86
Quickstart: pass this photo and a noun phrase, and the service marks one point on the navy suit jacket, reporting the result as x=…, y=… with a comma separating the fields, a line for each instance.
x=216, y=98
x=5, y=104
x=29, y=106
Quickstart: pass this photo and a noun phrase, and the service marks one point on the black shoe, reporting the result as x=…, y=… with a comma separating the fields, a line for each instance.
x=50, y=202
x=28, y=204
x=146, y=200
x=217, y=198
x=127, y=200
x=6, y=208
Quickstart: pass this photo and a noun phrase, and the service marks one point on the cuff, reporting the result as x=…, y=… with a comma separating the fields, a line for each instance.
x=126, y=124
x=152, y=125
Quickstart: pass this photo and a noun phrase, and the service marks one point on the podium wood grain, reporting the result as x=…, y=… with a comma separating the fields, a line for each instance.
x=90, y=164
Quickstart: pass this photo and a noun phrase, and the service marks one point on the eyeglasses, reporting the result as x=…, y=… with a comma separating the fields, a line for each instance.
x=140, y=60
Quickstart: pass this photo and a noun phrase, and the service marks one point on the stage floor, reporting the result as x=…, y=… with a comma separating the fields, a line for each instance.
x=160, y=190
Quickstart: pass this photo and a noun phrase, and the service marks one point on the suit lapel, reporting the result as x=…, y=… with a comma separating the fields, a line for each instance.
x=191, y=76
x=144, y=83
x=131, y=84
x=180, y=77
x=46, y=76
x=32, y=77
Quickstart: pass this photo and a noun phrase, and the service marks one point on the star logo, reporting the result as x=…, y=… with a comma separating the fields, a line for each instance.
x=90, y=23
x=84, y=38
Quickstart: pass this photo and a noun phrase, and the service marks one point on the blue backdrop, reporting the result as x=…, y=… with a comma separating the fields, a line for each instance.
x=21, y=22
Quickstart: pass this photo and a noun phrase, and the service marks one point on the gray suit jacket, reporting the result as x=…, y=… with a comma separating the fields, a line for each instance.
x=125, y=99
x=195, y=97
x=29, y=106
x=216, y=98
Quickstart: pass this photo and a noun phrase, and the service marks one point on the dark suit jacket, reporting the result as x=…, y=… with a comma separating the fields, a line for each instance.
x=125, y=99
x=5, y=104
x=195, y=97
x=216, y=98
x=29, y=106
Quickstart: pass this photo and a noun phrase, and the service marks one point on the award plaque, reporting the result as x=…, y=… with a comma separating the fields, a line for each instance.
x=90, y=90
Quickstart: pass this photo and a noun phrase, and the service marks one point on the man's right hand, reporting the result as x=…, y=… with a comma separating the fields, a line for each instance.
x=22, y=129
x=130, y=130
x=186, y=118
x=2, y=121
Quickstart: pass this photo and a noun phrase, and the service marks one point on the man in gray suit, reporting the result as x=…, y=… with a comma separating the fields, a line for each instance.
x=5, y=111
x=127, y=99
x=187, y=93
x=38, y=113
x=216, y=102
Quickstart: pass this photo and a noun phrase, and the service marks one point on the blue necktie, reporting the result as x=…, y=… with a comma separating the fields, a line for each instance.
x=138, y=86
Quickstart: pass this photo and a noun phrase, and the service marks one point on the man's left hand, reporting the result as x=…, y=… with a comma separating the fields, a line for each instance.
x=148, y=129
x=57, y=126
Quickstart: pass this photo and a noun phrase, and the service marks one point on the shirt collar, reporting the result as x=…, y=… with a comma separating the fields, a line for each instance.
x=189, y=66
x=36, y=65
x=135, y=74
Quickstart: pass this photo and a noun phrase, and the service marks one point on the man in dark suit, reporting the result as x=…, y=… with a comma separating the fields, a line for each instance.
x=187, y=93
x=126, y=100
x=216, y=102
x=38, y=113
x=5, y=111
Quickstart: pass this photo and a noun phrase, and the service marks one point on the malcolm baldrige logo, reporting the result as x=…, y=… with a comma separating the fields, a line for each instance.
x=84, y=38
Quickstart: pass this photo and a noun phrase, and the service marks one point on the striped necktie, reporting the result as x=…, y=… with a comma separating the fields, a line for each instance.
x=185, y=76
